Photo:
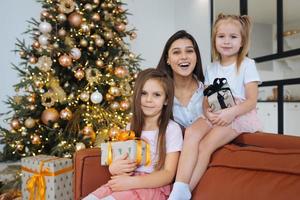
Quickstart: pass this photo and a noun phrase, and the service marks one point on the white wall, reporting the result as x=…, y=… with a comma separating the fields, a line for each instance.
x=155, y=21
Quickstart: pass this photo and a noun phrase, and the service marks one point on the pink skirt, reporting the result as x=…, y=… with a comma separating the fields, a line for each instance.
x=160, y=193
x=248, y=122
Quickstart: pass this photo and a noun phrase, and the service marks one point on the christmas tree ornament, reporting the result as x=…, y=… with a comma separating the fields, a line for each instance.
x=109, y=97
x=66, y=114
x=49, y=115
x=96, y=97
x=66, y=6
x=99, y=63
x=62, y=32
x=88, y=130
x=83, y=43
x=79, y=74
x=29, y=123
x=96, y=17
x=133, y=35
x=22, y=54
x=75, y=19
x=115, y=91
x=108, y=35
x=88, y=7
x=32, y=107
x=31, y=98
x=32, y=59
x=44, y=63
x=58, y=91
x=85, y=27
x=125, y=89
x=84, y=96
x=44, y=14
x=65, y=60
x=20, y=147
x=92, y=75
x=35, y=139
x=36, y=45
x=113, y=132
x=120, y=72
x=91, y=48
x=99, y=42
x=114, y=105
x=79, y=146
x=96, y=2
x=75, y=53
x=120, y=27
x=124, y=105
x=15, y=124
x=38, y=83
x=45, y=27
x=43, y=40
x=61, y=17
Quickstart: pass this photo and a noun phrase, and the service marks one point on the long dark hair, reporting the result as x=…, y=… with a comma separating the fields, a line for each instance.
x=163, y=65
x=137, y=121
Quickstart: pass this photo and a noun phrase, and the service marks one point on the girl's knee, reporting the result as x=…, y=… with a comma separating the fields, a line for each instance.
x=192, y=135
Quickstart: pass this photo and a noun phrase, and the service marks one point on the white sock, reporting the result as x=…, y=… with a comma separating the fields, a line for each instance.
x=180, y=191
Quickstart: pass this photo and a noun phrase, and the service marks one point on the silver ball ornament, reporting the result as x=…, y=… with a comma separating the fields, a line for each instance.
x=75, y=53
x=45, y=27
x=96, y=97
x=43, y=40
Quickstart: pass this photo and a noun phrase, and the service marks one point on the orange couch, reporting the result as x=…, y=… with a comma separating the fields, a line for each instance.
x=257, y=166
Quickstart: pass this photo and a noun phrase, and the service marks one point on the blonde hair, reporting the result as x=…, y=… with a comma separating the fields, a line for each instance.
x=245, y=28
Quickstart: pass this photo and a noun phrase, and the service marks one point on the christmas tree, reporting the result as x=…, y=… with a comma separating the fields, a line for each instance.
x=76, y=79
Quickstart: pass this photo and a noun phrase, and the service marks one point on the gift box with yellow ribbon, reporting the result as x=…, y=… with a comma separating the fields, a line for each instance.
x=137, y=149
x=47, y=178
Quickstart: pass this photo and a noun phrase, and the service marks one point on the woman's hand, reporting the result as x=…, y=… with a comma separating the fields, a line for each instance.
x=122, y=166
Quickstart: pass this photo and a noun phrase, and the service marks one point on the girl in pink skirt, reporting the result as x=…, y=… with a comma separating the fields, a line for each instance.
x=230, y=45
x=151, y=121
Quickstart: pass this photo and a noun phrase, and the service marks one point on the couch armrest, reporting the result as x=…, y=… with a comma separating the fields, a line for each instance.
x=88, y=172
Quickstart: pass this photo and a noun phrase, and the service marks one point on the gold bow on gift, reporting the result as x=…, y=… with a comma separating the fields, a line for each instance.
x=138, y=153
x=36, y=185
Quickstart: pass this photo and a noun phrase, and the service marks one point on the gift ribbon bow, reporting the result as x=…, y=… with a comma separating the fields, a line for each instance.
x=36, y=185
x=216, y=86
x=139, y=151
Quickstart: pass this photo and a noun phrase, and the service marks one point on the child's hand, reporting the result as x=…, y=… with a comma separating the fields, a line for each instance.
x=122, y=166
x=210, y=115
x=224, y=117
x=121, y=182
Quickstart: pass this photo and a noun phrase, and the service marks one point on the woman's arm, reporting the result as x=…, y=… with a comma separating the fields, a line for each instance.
x=158, y=178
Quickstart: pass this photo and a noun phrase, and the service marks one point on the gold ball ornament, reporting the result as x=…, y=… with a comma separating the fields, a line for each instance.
x=15, y=124
x=79, y=74
x=109, y=97
x=61, y=17
x=113, y=132
x=49, y=115
x=115, y=91
x=91, y=48
x=66, y=114
x=79, y=146
x=65, y=60
x=75, y=19
x=20, y=147
x=124, y=105
x=32, y=107
x=96, y=17
x=120, y=27
x=22, y=54
x=99, y=63
x=84, y=96
x=120, y=72
x=62, y=32
x=31, y=98
x=99, y=42
x=88, y=7
x=108, y=35
x=29, y=123
x=85, y=27
x=36, y=139
x=83, y=43
x=44, y=14
x=36, y=45
x=88, y=130
x=114, y=105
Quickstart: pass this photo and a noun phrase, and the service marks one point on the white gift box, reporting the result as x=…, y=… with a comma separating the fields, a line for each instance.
x=137, y=150
x=52, y=172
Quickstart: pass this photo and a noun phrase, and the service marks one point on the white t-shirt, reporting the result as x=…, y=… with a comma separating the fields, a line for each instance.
x=186, y=115
x=247, y=73
x=174, y=141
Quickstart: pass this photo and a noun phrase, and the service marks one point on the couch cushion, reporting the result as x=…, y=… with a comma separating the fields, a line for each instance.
x=249, y=173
